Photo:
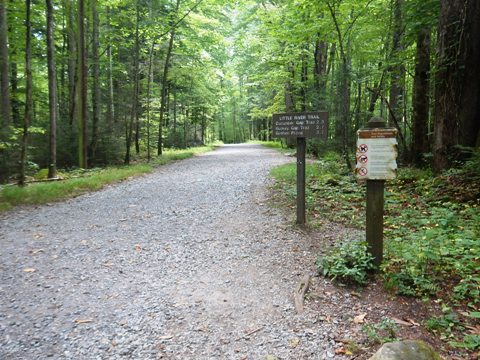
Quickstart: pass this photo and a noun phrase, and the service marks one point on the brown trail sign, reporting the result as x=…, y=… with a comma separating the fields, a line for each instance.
x=376, y=162
x=306, y=124
x=300, y=126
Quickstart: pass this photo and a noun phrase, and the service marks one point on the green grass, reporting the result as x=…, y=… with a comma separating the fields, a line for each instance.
x=277, y=145
x=83, y=181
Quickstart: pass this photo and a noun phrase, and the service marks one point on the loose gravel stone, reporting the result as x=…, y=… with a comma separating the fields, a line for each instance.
x=190, y=262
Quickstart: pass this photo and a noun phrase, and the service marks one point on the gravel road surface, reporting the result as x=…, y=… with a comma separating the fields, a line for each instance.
x=190, y=262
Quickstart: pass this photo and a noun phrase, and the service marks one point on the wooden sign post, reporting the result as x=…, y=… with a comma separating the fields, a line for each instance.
x=376, y=162
x=301, y=126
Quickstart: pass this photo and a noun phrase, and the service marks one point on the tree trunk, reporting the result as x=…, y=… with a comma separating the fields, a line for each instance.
x=133, y=115
x=72, y=60
x=289, y=99
x=304, y=79
x=27, y=120
x=457, y=102
x=421, y=96
x=82, y=89
x=163, y=93
x=149, y=85
x=52, y=92
x=5, y=105
x=319, y=73
x=96, y=96
x=397, y=71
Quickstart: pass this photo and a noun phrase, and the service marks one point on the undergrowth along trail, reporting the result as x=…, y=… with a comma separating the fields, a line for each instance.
x=431, y=235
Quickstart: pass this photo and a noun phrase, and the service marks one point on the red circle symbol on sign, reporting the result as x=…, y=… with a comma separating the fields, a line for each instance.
x=363, y=148
x=363, y=159
x=362, y=171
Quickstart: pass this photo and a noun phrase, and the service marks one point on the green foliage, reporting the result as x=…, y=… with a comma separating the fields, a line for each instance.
x=469, y=342
x=350, y=262
x=443, y=325
x=431, y=227
x=382, y=332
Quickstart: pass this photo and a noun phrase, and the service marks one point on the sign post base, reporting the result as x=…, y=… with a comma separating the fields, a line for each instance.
x=301, y=150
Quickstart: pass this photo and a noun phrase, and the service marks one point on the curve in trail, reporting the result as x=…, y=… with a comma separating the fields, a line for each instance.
x=186, y=263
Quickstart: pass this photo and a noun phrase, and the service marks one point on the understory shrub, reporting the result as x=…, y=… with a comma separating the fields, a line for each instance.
x=350, y=262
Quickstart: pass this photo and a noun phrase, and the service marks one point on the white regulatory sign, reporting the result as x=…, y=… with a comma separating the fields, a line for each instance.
x=376, y=154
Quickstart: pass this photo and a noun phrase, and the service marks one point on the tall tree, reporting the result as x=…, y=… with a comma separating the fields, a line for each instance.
x=397, y=71
x=82, y=111
x=166, y=66
x=135, y=73
x=52, y=92
x=421, y=98
x=28, y=116
x=457, y=90
x=5, y=105
x=95, y=78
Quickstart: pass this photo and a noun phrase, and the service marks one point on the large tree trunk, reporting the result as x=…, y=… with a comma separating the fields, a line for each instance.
x=149, y=85
x=5, y=105
x=319, y=73
x=27, y=120
x=421, y=96
x=304, y=80
x=82, y=88
x=457, y=91
x=163, y=93
x=133, y=114
x=52, y=93
x=72, y=61
x=96, y=96
x=397, y=70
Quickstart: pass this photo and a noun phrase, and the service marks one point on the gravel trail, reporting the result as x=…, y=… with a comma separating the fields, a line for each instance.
x=189, y=262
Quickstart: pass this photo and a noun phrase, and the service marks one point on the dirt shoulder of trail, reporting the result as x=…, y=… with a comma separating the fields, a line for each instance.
x=366, y=317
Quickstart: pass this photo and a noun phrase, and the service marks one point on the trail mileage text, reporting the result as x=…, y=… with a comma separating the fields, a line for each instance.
x=312, y=124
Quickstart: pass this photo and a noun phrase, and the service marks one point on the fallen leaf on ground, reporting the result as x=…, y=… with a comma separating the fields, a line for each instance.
x=414, y=323
x=359, y=319
x=29, y=270
x=293, y=343
x=36, y=251
x=475, y=330
x=166, y=337
x=83, y=321
x=342, y=351
x=401, y=322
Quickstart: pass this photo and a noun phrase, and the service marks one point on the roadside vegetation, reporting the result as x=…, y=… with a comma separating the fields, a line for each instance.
x=71, y=183
x=431, y=235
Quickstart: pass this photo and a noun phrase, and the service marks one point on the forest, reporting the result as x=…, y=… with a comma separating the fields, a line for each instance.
x=89, y=83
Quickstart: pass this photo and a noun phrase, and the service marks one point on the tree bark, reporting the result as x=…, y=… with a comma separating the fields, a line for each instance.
x=27, y=120
x=52, y=92
x=5, y=110
x=133, y=115
x=82, y=88
x=149, y=85
x=319, y=73
x=96, y=96
x=72, y=61
x=397, y=71
x=421, y=97
x=457, y=92
x=163, y=93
